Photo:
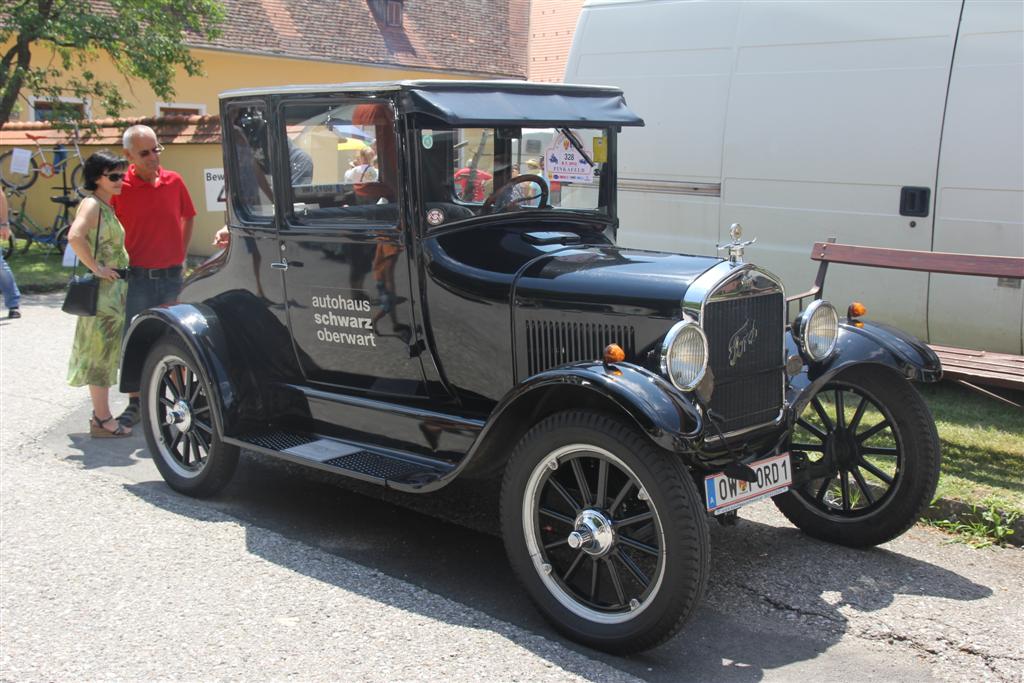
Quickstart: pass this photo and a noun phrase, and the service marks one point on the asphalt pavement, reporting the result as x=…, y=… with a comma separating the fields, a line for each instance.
x=105, y=573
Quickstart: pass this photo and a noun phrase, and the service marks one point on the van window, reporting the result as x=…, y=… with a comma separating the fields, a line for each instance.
x=252, y=182
x=343, y=162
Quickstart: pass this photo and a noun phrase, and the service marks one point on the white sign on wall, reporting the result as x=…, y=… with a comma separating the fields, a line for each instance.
x=213, y=181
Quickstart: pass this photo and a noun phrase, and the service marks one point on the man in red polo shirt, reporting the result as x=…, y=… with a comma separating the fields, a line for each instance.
x=157, y=214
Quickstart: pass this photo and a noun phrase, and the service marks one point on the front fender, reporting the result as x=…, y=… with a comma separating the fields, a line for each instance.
x=667, y=416
x=200, y=329
x=872, y=343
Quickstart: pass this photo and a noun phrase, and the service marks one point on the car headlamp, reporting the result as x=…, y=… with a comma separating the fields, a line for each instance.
x=817, y=330
x=684, y=355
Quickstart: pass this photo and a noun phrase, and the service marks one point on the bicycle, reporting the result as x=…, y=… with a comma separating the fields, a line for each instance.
x=24, y=228
x=39, y=165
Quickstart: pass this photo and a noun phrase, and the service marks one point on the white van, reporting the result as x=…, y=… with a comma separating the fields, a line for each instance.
x=895, y=124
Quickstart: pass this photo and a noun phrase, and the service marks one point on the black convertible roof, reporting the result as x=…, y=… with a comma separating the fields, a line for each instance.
x=484, y=103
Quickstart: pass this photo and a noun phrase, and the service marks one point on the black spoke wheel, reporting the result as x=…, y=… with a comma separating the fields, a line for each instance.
x=178, y=419
x=606, y=532
x=16, y=181
x=874, y=458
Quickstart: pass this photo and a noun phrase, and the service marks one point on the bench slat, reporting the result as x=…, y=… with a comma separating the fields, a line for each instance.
x=928, y=261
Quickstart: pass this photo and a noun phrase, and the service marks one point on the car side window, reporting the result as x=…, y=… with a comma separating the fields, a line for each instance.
x=343, y=160
x=252, y=181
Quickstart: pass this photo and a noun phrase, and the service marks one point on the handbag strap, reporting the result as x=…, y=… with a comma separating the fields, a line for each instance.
x=96, y=245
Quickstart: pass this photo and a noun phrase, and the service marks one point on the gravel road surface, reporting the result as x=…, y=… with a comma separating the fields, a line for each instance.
x=105, y=573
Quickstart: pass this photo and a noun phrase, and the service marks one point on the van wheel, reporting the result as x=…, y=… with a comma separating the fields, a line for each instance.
x=872, y=438
x=606, y=532
x=177, y=417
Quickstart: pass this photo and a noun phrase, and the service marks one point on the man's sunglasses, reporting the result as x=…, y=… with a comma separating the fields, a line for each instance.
x=156, y=150
x=114, y=177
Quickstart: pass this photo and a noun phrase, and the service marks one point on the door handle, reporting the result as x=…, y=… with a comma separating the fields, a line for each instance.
x=279, y=265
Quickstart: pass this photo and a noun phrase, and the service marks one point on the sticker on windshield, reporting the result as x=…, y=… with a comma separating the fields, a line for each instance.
x=435, y=217
x=567, y=162
x=427, y=138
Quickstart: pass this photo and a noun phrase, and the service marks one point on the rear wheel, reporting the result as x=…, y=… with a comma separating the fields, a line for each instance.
x=13, y=180
x=872, y=440
x=177, y=417
x=61, y=242
x=76, y=181
x=606, y=533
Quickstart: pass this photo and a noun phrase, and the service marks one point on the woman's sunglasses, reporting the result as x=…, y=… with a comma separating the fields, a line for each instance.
x=114, y=177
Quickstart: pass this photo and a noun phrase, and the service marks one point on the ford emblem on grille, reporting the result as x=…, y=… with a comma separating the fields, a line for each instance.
x=739, y=341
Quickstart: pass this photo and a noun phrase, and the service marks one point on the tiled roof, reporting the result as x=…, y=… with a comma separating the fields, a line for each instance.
x=479, y=37
x=169, y=129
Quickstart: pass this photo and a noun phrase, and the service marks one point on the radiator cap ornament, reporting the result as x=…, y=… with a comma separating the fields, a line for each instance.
x=735, y=248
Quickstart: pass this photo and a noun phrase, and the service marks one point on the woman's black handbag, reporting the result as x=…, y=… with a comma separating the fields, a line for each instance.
x=83, y=291
x=83, y=294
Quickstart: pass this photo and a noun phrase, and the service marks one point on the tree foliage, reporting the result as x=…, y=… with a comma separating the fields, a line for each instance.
x=50, y=48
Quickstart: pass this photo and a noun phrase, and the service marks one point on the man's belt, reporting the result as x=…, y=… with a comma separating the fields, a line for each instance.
x=154, y=273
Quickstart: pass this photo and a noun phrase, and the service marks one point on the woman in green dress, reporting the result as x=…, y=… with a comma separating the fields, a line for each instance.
x=97, y=346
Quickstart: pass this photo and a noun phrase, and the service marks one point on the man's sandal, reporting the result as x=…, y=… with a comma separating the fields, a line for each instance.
x=131, y=415
x=98, y=431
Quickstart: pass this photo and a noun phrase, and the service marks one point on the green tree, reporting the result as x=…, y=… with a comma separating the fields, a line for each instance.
x=144, y=39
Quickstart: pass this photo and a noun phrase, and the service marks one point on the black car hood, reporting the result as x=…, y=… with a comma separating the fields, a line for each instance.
x=610, y=279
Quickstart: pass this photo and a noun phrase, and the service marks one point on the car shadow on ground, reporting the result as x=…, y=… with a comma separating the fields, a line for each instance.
x=775, y=597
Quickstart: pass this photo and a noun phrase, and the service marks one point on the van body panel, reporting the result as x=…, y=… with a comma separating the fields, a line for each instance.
x=980, y=200
x=821, y=114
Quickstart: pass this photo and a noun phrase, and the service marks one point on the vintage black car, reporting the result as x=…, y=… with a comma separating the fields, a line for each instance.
x=423, y=284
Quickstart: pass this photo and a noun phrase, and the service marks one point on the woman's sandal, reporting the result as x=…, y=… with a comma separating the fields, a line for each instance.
x=98, y=431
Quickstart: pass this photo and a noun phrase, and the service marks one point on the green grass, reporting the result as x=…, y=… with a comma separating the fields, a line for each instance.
x=38, y=270
x=982, y=447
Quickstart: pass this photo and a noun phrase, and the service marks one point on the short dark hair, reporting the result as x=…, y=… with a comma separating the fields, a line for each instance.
x=99, y=163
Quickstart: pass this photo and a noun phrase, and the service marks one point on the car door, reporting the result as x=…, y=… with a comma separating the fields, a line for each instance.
x=344, y=248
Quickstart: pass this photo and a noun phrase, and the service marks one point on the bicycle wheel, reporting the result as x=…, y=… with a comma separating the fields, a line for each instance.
x=76, y=181
x=61, y=242
x=9, y=247
x=17, y=181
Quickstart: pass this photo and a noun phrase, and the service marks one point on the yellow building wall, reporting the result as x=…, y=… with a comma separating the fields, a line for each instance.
x=231, y=70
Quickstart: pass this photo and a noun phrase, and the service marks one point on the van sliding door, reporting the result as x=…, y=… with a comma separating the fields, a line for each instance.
x=980, y=189
x=834, y=109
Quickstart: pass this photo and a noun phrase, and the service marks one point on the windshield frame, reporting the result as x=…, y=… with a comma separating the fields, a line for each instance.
x=438, y=160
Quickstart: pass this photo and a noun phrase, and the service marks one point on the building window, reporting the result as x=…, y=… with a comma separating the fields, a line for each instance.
x=67, y=107
x=180, y=109
x=388, y=11
x=394, y=13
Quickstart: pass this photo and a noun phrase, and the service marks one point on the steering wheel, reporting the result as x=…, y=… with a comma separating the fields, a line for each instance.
x=506, y=189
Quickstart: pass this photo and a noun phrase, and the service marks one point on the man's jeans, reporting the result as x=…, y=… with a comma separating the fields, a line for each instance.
x=12, y=297
x=145, y=293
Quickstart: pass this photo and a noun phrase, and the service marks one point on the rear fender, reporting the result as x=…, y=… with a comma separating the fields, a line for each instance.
x=874, y=344
x=200, y=329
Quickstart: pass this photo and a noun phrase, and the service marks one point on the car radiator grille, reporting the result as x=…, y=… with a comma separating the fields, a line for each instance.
x=553, y=343
x=745, y=340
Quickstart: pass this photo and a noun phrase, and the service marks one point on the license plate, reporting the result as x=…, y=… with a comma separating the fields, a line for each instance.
x=774, y=475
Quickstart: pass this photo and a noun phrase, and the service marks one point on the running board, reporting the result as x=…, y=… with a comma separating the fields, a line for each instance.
x=394, y=469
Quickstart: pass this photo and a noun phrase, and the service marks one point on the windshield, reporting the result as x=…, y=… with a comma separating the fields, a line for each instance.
x=468, y=172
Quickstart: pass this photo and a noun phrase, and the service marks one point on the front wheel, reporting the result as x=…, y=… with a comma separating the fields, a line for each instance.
x=606, y=532
x=874, y=451
x=177, y=417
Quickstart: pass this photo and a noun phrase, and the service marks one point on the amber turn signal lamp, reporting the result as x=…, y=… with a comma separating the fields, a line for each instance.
x=856, y=310
x=613, y=353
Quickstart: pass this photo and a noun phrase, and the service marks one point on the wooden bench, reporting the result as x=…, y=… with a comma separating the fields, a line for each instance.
x=967, y=366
